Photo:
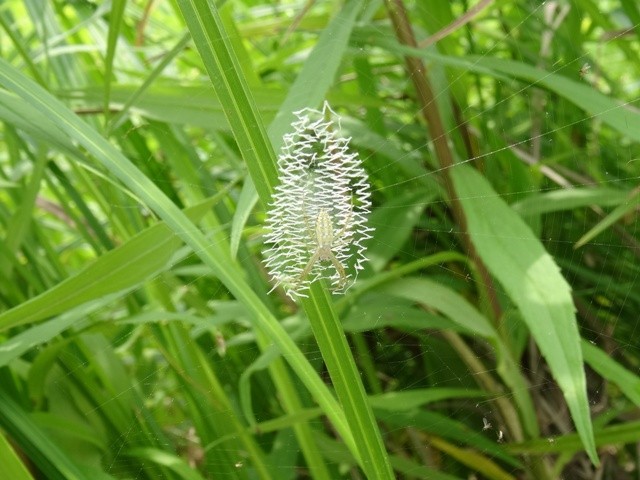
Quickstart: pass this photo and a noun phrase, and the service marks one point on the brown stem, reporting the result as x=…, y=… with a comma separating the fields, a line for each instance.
x=431, y=114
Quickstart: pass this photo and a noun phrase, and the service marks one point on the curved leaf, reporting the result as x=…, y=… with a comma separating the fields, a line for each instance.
x=534, y=282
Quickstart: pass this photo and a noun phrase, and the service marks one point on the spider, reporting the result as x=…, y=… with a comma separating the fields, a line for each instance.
x=324, y=241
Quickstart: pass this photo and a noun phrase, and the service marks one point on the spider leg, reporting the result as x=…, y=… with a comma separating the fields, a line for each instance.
x=340, y=269
x=307, y=269
x=339, y=236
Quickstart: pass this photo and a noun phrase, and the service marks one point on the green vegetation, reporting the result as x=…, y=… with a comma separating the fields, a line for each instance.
x=493, y=331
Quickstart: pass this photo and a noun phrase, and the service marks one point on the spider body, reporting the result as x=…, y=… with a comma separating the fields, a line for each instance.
x=324, y=240
x=324, y=235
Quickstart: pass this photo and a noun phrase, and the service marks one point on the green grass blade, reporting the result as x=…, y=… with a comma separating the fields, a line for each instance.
x=141, y=356
x=612, y=371
x=246, y=203
x=569, y=199
x=318, y=72
x=10, y=464
x=43, y=333
x=447, y=428
x=36, y=444
x=217, y=54
x=171, y=102
x=124, y=267
x=612, y=112
x=619, y=434
x=116, y=19
x=233, y=93
x=178, y=465
x=23, y=116
x=628, y=207
x=608, y=110
x=436, y=296
x=394, y=223
x=120, y=117
x=332, y=341
x=21, y=219
x=446, y=301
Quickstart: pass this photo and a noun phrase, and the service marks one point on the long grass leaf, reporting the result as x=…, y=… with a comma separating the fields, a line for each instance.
x=10, y=464
x=616, y=114
x=534, y=282
x=606, y=366
x=37, y=445
x=122, y=268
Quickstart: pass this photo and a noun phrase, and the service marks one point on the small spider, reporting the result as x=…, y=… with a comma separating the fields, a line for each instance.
x=324, y=240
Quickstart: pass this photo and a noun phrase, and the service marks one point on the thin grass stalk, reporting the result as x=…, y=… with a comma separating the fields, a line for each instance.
x=217, y=53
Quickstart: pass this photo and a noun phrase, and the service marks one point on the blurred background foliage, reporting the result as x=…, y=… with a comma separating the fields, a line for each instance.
x=494, y=332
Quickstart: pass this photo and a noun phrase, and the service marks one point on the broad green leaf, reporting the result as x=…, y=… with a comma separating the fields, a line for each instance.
x=379, y=311
x=124, y=267
x=15, y=111
x=194, y=105
x=533, y=281
x=66, y=426
x=599, y=106
x=39, y=334
x=445, y=300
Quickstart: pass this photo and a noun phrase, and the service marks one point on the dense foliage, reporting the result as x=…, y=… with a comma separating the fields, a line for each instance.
x=493, y=332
